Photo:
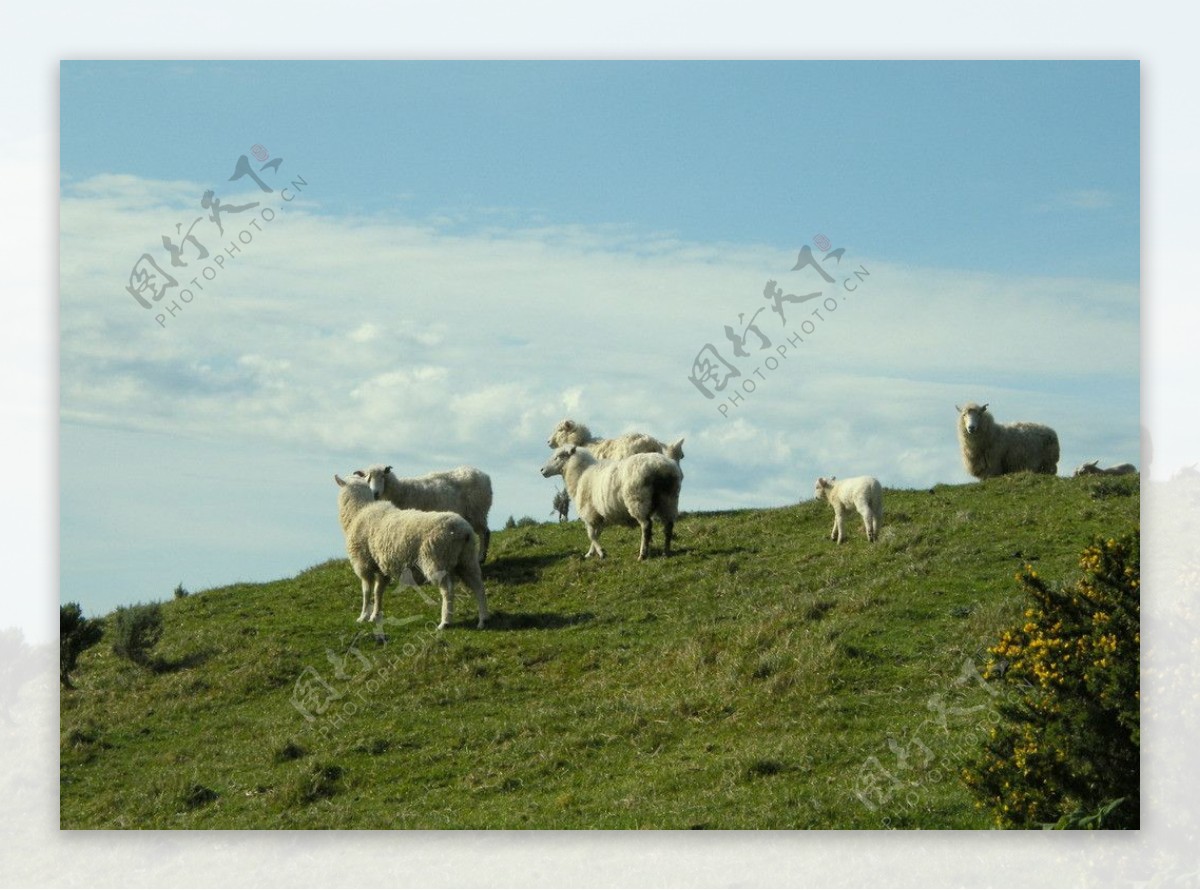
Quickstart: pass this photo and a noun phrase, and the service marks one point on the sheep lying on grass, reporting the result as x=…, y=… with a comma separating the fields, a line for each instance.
x=993, y=449
x=627, y=492
x=1091, y=469
x=568, y=432
x=382, y=541
x=861, y=493
x=465, y=491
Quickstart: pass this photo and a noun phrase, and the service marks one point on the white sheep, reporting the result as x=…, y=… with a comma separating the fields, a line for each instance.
x=861, y=493
x=1091, y=469
x=630, y=491
x=569, y=432
x=384, y=541
x=993, y=449
x=464, y=490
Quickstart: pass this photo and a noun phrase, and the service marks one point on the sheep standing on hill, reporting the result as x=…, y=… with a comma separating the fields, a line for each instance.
x=568, y=432
x=465, y=491
x=382, y=541
x=861, y=493
x=993, y=449
x=1091, y=469
x=628, y=491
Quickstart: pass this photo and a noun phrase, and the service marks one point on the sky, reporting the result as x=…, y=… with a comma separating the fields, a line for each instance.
x=439, y=261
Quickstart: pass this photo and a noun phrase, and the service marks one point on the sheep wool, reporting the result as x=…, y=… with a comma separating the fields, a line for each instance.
x=993, y=449
x=569, y=432
x=629, y=491
x=384, y=541
x=861, y=493
x=464, y=490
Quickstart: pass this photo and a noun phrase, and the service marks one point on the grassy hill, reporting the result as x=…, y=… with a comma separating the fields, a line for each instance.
x=763, y=677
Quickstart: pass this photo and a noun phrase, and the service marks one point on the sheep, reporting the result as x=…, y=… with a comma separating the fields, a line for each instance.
x=993, y=449
x=464, y=490
x=1091, y=469
x=568, y=432
x=384, y=542
x=861, y=493
x=627, y=492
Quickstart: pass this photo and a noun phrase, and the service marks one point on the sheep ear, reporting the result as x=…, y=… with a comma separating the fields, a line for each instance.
x=360, y=474
x=984, y=408
x=568, y=424
x=387, y=469
x=339, y=480
x=958, y=409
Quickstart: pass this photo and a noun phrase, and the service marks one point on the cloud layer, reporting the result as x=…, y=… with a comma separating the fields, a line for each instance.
x=427, y=345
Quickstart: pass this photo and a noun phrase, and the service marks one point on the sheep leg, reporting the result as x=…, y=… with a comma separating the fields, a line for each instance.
x=647, y=530
x=381, y=582
x=485, y=538
x=470, y=574
x=447, y=585
x=668, y=531
x=594, y=537
x=366, y=590
x=839, y=520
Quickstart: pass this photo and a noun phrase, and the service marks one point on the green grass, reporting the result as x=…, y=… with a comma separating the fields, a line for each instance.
x=763, y=677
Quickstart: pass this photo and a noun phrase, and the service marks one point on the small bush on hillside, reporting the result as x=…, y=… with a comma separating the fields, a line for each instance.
x=75, y=634
x=135, y=630
x=181, y=591
x=520, y=523
x=1068, y=754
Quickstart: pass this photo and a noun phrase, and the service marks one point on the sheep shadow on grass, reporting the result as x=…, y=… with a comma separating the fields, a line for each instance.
x=536, y=620
x=520, y=569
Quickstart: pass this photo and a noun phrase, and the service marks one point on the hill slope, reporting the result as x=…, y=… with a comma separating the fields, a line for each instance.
x=762, y=678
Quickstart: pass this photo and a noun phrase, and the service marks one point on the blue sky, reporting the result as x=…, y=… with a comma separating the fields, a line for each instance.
x=481, y=249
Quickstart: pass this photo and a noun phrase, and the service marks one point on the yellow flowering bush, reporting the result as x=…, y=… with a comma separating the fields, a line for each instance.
x=1067, y=752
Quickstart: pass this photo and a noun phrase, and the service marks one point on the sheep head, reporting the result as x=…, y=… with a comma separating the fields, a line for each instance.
x=375, y=476
x=557, y=464
x=971, y=416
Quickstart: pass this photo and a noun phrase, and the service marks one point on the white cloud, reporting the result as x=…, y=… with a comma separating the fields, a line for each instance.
x=354, y=340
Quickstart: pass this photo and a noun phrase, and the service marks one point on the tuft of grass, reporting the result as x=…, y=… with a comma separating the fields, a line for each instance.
x=763, y=677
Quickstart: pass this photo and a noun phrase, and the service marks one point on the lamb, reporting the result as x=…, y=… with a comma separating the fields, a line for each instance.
x=993, y=449
x=384, y=541
x=1091, y=469
x=464, y=490
x=628, y=491
x=861, y=493
x=568, y=432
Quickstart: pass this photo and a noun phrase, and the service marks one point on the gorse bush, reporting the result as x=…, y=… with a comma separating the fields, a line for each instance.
x=75, y=634
x=135, y=630
x=1068, y=753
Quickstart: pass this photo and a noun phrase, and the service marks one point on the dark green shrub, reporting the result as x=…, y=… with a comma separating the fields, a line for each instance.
x=181, y=591
x=1067, y=754
x=75, y=634
x=135, y=630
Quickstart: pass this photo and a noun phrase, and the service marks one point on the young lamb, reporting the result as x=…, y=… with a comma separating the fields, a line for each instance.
x=465, y=491
x=861, y=493
x=1091, y=469
x=628, y=491
x=993, y=449
x=382, y=541
x=568, y=432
